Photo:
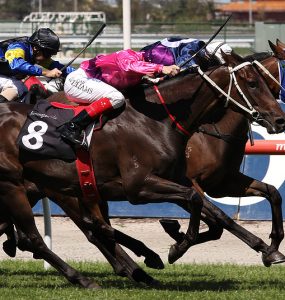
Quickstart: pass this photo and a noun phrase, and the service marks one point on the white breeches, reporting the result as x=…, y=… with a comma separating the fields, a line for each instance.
x=79, y=88
x=11, y=88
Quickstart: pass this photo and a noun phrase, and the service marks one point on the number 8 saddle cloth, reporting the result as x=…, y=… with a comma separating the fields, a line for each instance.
x=40, y=138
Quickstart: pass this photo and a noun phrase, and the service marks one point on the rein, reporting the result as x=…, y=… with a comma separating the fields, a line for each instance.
x=172, y=118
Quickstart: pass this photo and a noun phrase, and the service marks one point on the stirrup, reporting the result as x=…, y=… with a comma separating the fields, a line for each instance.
x=78, y=139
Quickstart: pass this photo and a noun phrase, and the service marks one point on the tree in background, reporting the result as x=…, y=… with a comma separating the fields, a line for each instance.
x=142, y=10
x=14, y=9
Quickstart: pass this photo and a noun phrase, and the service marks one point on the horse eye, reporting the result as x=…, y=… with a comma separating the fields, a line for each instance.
x=252, y=84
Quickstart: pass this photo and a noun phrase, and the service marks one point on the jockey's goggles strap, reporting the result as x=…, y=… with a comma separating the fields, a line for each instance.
x=172, y=118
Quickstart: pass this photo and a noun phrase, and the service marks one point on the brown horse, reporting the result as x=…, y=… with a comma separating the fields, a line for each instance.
x=149, y=169
x=220, y=181
x=217, y=171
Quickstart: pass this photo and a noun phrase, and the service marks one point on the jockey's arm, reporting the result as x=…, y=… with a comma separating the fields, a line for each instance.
x=133, y=61
x=51, y=64
x=18, y=64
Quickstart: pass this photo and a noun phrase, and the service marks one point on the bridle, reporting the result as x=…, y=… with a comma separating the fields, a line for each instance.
x=247, y=108
x=267, y=72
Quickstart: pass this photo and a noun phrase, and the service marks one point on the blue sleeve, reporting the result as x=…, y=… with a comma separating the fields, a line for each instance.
x=185, y=51
x=19, y=57
x=21, y=66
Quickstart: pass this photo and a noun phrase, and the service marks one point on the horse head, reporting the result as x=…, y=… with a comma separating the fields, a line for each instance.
x=258, y=102
x=192, y=98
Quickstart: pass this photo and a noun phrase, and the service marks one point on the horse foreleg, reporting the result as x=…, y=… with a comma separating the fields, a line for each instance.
x=19, y=209
x=244, y=186
x=217, y=220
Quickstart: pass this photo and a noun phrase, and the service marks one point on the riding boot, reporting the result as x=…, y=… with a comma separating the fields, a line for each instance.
x=3, y=99
x=73, y=130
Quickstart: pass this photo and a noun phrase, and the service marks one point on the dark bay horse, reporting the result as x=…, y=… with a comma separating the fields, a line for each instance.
x=217, y=171
x=149, y=169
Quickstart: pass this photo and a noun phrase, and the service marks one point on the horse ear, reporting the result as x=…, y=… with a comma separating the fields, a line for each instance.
x=280, y=44
x=272, y=46
x=277, y=50
x=231, y=59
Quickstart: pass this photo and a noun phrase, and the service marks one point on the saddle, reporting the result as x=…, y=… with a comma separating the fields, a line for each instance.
x=40, y=139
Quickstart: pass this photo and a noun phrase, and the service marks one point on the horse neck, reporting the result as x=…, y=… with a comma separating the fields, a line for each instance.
x=233, y=123
x=196, y=98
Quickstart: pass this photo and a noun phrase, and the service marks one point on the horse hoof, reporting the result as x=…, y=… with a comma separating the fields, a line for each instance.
x=154, y=283
x=273, y=258
x=154, y=262
x=173, y=254
x=10, y=248
x=139, y=275
x=92, y=285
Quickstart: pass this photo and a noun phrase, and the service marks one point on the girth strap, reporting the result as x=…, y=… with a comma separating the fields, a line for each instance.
x=86, y=175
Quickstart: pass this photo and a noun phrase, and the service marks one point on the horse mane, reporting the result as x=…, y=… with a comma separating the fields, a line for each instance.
x=257, y=56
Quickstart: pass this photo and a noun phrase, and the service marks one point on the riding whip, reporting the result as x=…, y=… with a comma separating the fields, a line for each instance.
x=87, y=45
x=209, y=41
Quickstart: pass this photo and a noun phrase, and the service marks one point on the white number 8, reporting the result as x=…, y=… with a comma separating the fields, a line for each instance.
x=35, y=134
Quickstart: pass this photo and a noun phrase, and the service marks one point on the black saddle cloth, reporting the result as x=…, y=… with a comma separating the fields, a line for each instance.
x=40, y=138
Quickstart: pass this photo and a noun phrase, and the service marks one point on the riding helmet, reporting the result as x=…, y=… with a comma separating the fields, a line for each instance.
x=45, y=39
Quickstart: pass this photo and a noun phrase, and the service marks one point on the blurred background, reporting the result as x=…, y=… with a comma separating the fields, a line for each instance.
x=251, y=25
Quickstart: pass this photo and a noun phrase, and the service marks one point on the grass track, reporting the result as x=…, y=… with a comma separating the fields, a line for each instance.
x=28, y=280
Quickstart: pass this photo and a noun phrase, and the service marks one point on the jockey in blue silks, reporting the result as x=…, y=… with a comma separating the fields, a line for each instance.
x=175, y=50
x=24, y=56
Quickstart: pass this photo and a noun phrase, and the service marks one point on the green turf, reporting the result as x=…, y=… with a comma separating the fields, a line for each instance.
x=28, y=280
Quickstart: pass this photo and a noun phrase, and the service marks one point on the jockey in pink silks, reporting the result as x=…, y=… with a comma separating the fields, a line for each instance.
x=98, y=81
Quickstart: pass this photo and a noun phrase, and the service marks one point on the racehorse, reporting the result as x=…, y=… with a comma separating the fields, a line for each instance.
x=218, y=171
x=153, y=155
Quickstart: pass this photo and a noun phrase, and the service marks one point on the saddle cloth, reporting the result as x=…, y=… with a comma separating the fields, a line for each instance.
x=40, y=138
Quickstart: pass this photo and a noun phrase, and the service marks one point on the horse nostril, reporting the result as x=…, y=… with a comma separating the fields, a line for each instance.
x=280, y=121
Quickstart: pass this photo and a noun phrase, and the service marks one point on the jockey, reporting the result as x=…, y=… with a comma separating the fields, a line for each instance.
x=18, y=57
x=98, y=82
x=175, y=50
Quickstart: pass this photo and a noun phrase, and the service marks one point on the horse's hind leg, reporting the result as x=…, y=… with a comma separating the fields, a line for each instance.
x=17, y=205
x=152, y=259
x=121, y=262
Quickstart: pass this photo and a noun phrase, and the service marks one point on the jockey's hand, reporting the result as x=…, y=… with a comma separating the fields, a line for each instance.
x=170, y=70
x=54, y=73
